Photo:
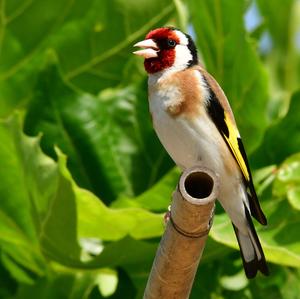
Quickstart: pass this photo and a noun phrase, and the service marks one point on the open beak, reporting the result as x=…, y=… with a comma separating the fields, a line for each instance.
x=149, y=50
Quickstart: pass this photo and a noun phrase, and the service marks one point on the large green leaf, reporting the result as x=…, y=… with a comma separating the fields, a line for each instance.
x=282, y=139
x=18, y=237
x=72, y=285
x=55, y=236
x=156, y=198
x=109, y=139
x=24, y=29
x=98, y=221
x=93, y=40
x=283, y=60
x=279, y=239
x=48, y=213
x=40, y=212
x=230, y=56
x=277, y=23
x=100, y=58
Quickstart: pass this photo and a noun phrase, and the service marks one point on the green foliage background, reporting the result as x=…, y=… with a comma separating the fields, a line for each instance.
x=84, y=181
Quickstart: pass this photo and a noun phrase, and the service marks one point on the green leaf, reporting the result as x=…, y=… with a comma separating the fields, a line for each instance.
x=63, y=284
x=8, y=285
x=58, y=234
x=68, y=65
x=156, y=198
x=55, y=211
x=109, y=139
x=126, y=252
x=24, y=31
x=81, y=34
x=18, y=236
x=283, y=61
x=41, y=212
x=44, y=196
x=287, y=181
x=279, y=239
x=263, y=178
x=107, y=282
x=235, y=282
x=292, y=277
x=281, y=139
x=230, y=56
x=98, y=221
x=100, y=54
x=278, y=24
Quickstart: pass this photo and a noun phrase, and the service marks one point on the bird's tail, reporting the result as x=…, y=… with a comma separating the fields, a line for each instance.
x=251, y=250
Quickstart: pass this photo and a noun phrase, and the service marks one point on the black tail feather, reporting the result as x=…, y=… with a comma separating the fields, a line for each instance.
x=255, y=208
x=254, y=265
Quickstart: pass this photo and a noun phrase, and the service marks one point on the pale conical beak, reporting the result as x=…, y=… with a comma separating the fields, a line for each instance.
x=149, y=50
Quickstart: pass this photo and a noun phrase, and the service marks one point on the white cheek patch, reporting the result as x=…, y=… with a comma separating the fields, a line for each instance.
x=182, y=57
x=183, y=54
x=182, y=38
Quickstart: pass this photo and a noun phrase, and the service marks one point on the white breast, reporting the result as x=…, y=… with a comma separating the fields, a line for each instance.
x=188, y=141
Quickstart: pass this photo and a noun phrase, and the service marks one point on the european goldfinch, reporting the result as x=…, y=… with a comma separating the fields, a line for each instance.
x=194, y=122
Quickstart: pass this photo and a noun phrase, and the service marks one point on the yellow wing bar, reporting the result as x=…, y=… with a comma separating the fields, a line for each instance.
x=232, y=141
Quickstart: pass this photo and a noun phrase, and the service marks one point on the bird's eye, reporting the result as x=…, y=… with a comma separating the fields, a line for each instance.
x=171, y=43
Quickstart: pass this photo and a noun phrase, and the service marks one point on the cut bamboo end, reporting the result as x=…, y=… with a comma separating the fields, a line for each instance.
x=182, y=244
x=198, y=185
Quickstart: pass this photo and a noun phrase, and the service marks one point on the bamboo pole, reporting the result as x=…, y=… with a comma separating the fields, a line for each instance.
x=180, y=250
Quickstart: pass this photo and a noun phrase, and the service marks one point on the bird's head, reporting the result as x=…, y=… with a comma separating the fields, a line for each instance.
x=167, y=48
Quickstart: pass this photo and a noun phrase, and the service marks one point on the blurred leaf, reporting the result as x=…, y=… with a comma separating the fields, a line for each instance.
x=287, y=181
x=283, y=61
x=54, y=205
x=263, y=178
x=80, y=32
x=100, y=56
x=109, y=139
x=68, y=65
x=230, y=56
x=281, y=139
x=182, y=13
x=214, y=251
x=156, y=198
x=279, y=239
x=209, y=275
x=292, y=278
x=107, y=282
x=98, y=221
x=24, y=30
x=235, y=282
x=62, y=285
x=125, y=287
x=277, y=23
x=8, y=285
x=125, y=252
x=258, y=32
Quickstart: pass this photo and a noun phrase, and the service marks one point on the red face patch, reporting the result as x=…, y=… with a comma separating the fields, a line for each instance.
x=166, y=54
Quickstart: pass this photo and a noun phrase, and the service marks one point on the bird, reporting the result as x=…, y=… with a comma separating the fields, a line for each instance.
x=195, y=123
